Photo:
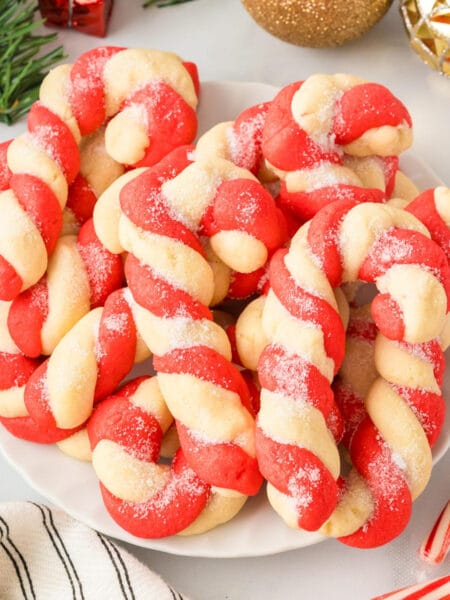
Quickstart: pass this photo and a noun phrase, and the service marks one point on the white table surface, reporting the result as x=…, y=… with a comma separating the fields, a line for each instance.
x=226, y=44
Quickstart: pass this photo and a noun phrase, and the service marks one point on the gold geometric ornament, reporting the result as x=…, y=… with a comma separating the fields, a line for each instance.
x=428, y=25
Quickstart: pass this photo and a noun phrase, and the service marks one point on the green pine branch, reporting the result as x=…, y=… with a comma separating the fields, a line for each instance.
x=162, y=3
x=23, y=61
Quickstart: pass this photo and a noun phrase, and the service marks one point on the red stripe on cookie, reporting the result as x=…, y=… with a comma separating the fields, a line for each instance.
x=191, y=68
x=208, y=365
x=26, y=429
x=15, y=369
x=309, y=308
x=142, y=202
x=244, y=205
x=55, y=138
x=87, y=95
x=293, y=376
x=390, y=492
x=246, y=139
x=10, y=281
x=5, y=172
x=424, y=208
x=81, y=199
x=303, y=477
x=285, y=145
x=26, y=316
x=41, y=204
x=118, y=420
x=116, y=344
x=429, y=408
x=367, y=106
x=160, y=296
x=222, y=464
x=305, y=205
x=323, y=238
x=169, y=120
x=104, y=269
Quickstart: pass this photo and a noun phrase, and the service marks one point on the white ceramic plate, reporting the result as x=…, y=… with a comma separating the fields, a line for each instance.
x=256, y=530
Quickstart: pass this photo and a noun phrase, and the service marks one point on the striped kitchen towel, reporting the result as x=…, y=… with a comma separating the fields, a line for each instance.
x=47, y=555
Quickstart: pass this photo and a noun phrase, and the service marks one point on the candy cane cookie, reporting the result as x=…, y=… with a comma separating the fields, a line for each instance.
x=81, y=274
x=335, y=137
x=345, y=242
x=146, y=498
x=148, y=99
x=15, y=371
x=172, y=284
x=86, y=365
x=326, y=116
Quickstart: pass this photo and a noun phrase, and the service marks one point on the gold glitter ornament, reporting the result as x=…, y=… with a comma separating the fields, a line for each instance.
x=428, y=25
x=317, y=23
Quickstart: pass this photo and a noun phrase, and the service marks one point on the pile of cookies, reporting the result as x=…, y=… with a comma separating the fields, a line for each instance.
x=237, y=264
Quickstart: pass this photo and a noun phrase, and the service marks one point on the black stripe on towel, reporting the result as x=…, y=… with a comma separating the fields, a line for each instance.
x=116, y=551
x=61, y=550
x=17, y=560
x=124, y=582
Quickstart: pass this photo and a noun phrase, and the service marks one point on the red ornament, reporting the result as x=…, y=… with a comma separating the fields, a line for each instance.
x=87, y=16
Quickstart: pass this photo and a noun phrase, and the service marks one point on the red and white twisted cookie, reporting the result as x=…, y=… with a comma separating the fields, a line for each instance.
x=327, y=116
x=436, y=545
x=334, y=137
x=148, y=98
x=81, y=274
x=15, y=371
x=345, y=242
x=86, y=365
x=173, y=284
x=149, y=499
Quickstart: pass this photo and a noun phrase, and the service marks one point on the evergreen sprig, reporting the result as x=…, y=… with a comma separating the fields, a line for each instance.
x=162, y=3
x=22, y=63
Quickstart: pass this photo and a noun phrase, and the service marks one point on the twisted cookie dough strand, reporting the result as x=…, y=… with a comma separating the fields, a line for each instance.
x=344, y=242
x=132, y=89
x=148, y=499
x=239, y=141
x=305, y=141
x=86, y=365
x=15, y=371
x=391, y=424
x=97, y=171
x=81, y=275
x=173, y=284
x=318, y=120
x=432, y=207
